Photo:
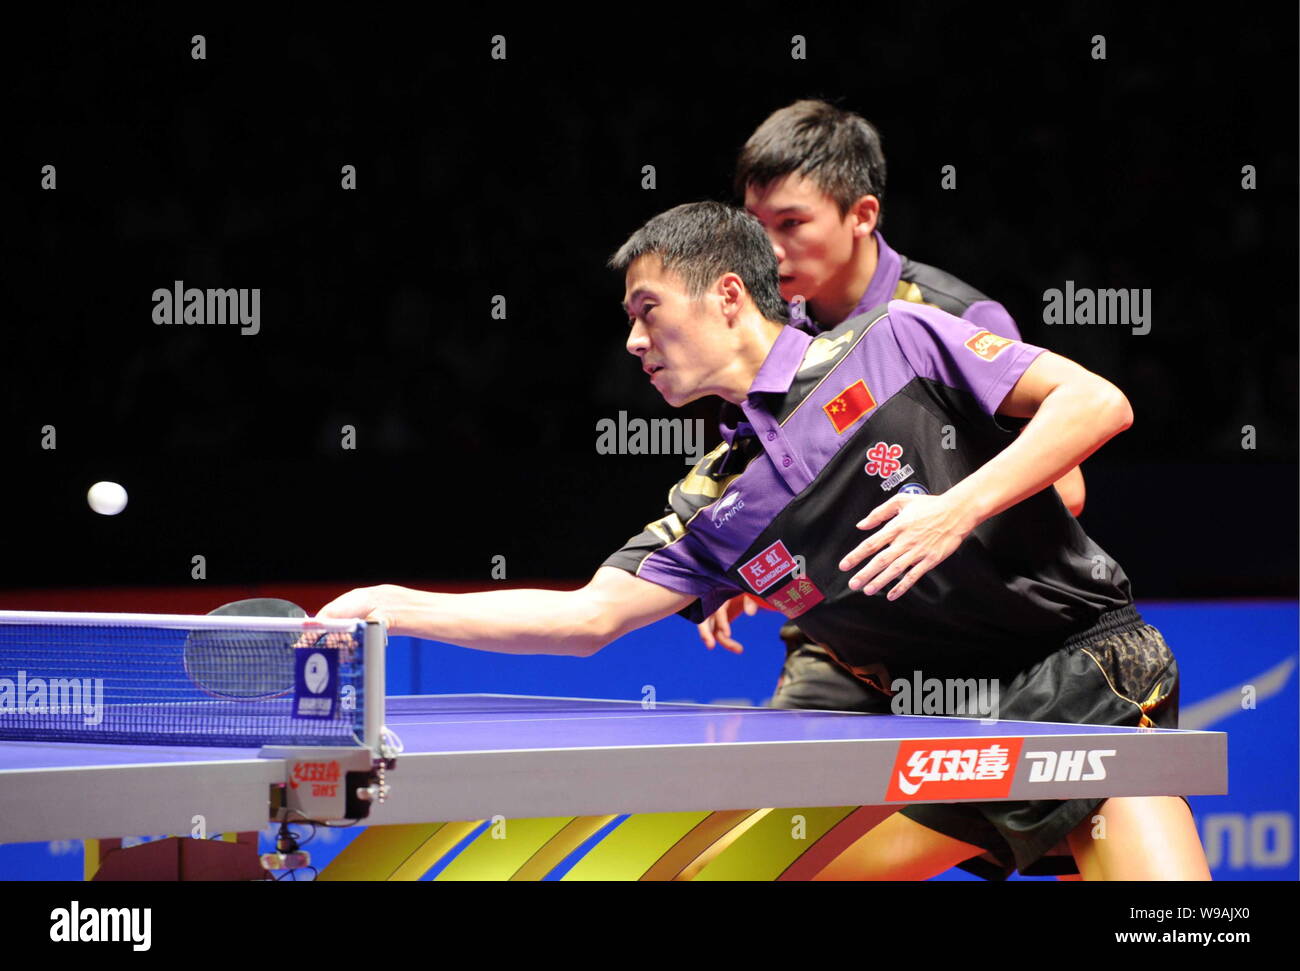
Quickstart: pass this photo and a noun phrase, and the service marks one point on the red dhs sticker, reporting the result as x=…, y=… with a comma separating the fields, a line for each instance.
x=768, y=567
x=799, y=597
x=323, y=777
x=929, y=770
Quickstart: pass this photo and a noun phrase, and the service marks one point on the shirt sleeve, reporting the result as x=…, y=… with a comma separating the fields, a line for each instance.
x=958, y=353
x=992, y=316
x=668, y=553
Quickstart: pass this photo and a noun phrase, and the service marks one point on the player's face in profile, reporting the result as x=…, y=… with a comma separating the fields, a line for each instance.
x=682, y=341
x=812, y=241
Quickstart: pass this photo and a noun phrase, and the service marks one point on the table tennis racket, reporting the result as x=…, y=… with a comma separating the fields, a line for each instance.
x=244, y=664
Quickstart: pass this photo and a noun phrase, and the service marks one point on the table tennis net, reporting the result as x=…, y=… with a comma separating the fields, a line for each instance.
x=172, y=680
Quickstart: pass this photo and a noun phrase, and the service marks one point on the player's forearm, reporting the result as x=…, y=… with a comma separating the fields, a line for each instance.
x=503, y=621
x=1072, y=422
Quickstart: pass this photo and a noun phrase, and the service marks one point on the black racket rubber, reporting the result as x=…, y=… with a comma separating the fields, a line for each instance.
x=244, y=664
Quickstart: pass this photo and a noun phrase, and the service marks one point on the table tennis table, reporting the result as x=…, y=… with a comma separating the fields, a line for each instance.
x=601, y=789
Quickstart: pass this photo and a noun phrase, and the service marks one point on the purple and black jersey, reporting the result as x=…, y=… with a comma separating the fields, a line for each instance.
x=900, y=399
x=898, y=278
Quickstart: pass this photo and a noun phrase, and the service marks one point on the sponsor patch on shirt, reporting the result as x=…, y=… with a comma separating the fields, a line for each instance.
x=954, y=768
x=725, y=508
x=883, y=459
x=797, y=597
x=768, y=567
x=988, y=345
x=849, y=405
x=897, y=477
x=915, y=489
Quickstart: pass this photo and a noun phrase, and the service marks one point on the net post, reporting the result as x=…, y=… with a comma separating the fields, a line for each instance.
x=376, y=642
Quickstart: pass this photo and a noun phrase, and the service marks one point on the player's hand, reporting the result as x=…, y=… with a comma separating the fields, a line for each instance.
x=916, y=534
x=716, y=629
x=368, y=603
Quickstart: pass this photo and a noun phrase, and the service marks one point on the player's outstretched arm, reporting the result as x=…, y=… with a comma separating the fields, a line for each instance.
x=1072, y=413
x=572, y=622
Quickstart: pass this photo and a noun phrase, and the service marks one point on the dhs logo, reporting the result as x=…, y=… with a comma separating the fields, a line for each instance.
x=1068, y=766
x=914, y=489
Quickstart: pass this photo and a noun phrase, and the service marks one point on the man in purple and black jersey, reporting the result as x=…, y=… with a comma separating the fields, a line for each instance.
x=814, y=176
x=983, y=574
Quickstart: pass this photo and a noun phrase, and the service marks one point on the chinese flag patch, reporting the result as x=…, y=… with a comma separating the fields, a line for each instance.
x=849, y=405
x=988, y=345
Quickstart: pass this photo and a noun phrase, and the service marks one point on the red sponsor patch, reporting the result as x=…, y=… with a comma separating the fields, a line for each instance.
x=796, y=597
x=956, y=768
x=768, y=567
x=314, y=772
x=988, y=345
x=883, y=460
x=849, y=405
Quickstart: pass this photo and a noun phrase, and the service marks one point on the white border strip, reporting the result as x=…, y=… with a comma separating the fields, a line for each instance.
x=179, y=621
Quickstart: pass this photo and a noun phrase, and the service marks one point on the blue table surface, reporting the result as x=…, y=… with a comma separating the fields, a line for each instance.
x=477, y=723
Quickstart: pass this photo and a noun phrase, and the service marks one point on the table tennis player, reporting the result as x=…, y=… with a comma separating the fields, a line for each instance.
x=814, y=175
x=980, y=572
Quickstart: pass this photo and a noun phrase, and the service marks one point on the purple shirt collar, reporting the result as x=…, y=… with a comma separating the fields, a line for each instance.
x=776, y=375
x=782, y=362
x=884, y=282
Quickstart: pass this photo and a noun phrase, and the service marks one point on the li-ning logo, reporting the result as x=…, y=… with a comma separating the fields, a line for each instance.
x=1068, y=766
x=727, y=507
x=959, y=768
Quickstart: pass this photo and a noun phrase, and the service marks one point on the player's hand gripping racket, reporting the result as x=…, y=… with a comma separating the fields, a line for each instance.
x=242, y=663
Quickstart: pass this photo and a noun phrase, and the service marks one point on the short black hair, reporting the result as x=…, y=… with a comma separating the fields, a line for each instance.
x=703, y=240
x=836, y=149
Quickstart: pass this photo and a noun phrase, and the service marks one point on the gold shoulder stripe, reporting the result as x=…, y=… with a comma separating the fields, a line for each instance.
x=823, y=349
x=697, y=483
x=669, y=529
x=909, y=291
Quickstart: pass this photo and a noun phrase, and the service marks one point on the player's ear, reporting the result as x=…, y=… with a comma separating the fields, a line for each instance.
x=865, y=212
x=731, y=288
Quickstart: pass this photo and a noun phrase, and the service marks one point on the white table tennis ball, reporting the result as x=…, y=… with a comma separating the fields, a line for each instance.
x=106, y=498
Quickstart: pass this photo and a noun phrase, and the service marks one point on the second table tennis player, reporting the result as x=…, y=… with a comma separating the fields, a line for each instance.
x=976, y=572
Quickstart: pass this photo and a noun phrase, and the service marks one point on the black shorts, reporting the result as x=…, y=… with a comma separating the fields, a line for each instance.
x=1119, y=672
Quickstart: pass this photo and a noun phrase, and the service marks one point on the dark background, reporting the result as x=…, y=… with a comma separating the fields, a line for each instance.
x=477, y=177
